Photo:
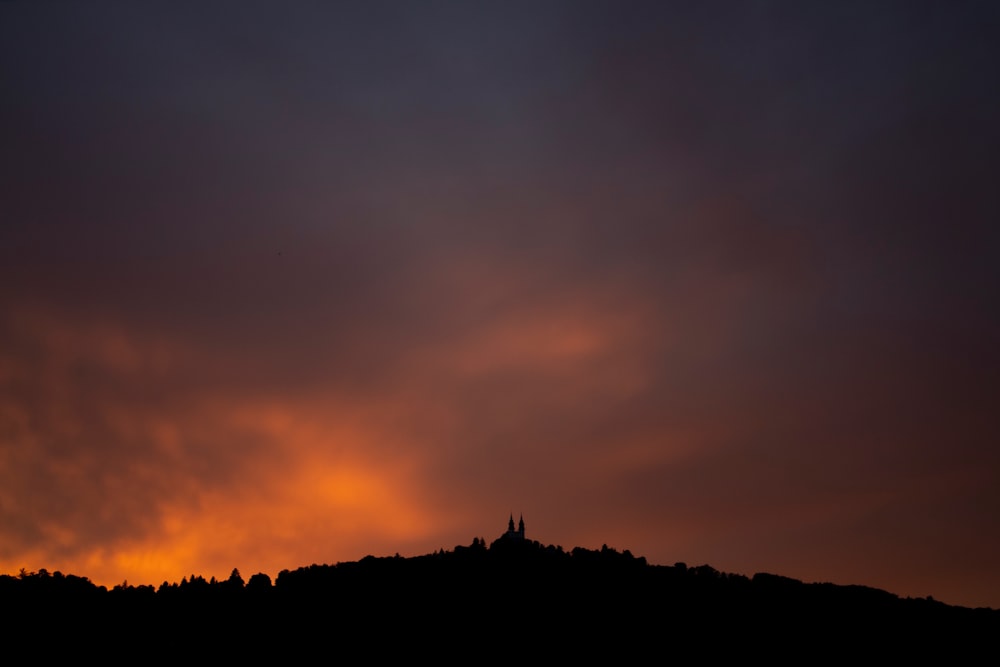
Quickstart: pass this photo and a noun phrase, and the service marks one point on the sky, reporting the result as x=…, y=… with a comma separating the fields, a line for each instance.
x=295, y=283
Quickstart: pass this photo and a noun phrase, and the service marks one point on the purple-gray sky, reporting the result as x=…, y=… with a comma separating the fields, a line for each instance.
x=285, y=283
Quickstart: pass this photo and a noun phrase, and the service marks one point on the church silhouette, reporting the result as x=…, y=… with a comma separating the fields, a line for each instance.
x=512, y=533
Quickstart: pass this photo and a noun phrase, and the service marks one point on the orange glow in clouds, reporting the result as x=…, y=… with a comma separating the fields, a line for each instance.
x=316, y=486
x=318, y=500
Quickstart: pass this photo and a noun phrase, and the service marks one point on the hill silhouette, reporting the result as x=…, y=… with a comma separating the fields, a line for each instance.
x=518, y=597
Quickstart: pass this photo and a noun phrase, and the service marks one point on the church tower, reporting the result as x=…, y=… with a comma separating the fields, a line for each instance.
x=514, y=533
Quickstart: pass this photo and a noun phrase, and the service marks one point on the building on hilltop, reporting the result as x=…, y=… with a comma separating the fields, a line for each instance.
x=512, y=533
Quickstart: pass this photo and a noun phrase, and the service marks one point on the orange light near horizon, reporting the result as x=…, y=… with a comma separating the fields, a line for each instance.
x=318, y=514
x=318, y=487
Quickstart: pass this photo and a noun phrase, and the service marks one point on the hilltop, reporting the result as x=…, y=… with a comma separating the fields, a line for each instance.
x=558, y=602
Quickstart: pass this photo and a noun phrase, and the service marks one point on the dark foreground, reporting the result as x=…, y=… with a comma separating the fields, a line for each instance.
x=511, y=601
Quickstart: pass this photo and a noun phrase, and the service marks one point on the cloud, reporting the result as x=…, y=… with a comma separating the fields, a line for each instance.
x=714, y=288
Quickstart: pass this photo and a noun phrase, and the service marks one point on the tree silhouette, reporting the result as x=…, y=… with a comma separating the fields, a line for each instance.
x=259, y=582
x=235, y=581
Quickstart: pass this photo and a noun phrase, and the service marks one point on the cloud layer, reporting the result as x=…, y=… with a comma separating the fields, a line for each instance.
x=294, y=285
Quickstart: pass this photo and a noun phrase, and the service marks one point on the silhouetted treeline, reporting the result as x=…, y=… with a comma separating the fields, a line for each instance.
x=516, y=596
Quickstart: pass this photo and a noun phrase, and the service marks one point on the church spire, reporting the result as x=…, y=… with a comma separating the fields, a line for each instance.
x=516, y=534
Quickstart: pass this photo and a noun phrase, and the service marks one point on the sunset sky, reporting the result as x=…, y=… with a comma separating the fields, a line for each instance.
x=294, y=283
